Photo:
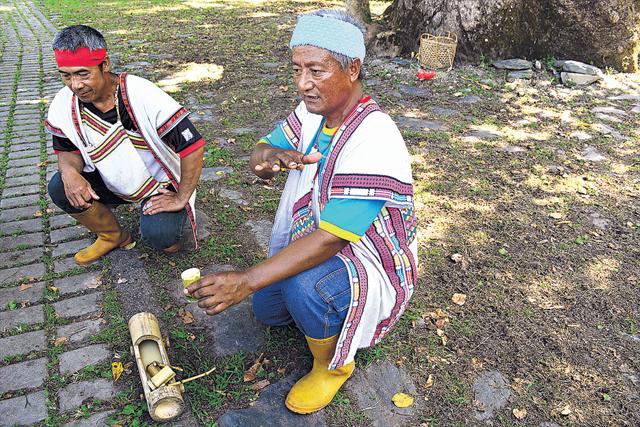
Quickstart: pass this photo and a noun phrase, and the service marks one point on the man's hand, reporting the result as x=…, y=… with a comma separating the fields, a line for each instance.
x=275, y=159
x=78, y=190
x=219, y=291
x=266, y=161
x=166, y=201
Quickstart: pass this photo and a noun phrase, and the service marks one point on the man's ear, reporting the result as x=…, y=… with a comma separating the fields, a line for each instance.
x=106, y=64
x=354, y=69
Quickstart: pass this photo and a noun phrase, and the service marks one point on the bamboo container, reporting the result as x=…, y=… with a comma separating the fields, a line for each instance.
x=164, y=400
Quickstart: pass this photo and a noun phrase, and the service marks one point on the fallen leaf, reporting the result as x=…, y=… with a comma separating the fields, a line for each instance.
x=250, y=374
x=456, y=258
x=171, y=263
x=281, y=371
x=53, y=289
x=50, y=211
x=25, y=286
x=503, y=252
x=441, y=323
x=260, y=385
x=24, y=303
x=429, y=382
x=555, y=215
x=143, y=256
x=95, y=283
x=38, y=214
x=116, y=370
x=565, y=411
x=121, y=280
x=402, y=400
x=186, y=316
x=60, y=341
x=459, y=299
x=519, y=413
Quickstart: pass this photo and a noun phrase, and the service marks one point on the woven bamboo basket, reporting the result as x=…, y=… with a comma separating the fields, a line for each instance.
x=438, y=52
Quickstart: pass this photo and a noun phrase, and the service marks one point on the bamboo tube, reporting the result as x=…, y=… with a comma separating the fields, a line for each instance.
x=165, y=402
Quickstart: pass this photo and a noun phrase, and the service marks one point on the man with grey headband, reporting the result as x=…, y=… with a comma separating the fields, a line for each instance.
x=343, y=250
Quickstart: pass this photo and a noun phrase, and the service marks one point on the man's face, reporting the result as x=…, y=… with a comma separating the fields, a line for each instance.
x=89, y=84
x=324, y=86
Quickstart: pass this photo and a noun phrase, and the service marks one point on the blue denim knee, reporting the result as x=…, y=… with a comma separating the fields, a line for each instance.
x=317, y=300
x=163, y=229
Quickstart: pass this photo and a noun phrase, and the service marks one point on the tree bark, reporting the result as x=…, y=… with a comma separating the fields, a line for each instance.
x=360, y=9
x=600, y=32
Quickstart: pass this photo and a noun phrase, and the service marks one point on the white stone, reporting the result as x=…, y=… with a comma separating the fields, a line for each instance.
x=580, y=136
x=578, y=79
x=610, y=110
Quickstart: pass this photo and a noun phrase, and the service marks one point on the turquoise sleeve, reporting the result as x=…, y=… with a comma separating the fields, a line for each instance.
x=349, y=218
x=278, y=139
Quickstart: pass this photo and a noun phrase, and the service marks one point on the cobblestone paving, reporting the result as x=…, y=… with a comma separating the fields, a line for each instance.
x=50, y=310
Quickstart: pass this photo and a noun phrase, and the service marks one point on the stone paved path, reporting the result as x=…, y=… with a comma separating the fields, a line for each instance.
x=49, y=309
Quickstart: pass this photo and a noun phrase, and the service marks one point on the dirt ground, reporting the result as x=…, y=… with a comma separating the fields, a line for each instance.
x=543, y=242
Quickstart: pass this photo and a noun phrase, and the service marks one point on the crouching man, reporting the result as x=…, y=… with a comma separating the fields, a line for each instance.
x=342, y=257
x=119, y=139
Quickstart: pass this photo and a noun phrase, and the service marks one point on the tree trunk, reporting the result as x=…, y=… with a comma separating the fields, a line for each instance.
x=360, y=9
x=600, y=32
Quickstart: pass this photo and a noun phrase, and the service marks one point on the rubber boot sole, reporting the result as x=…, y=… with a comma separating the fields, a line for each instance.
x=127, y=244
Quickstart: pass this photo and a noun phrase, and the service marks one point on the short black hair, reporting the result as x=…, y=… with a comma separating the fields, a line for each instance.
x=77, y=36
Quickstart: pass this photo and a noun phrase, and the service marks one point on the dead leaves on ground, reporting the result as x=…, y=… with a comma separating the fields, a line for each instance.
x=186, y=316
x=402, y=400
x=251, y=373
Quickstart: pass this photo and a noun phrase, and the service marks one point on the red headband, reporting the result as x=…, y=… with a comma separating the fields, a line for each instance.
x=82, y=57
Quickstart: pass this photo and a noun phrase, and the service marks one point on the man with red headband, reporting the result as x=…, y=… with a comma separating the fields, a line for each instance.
x=119, y=139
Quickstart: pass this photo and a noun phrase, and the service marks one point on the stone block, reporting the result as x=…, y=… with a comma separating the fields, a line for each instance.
x=26, y=272
x=22, y=180
x=21, y=171
x=61, y=221
x=74, y=360
x=24, y=226
x=71, y=247
x=269, y=410
x=10, y=259
x=79, y=306
x=24, y=410
x=81, y=282
x=22, y=241
x=29, y=374
x=19, y=191
x=15, y=214
x=65, y=264
x=22, y=344
x=99, y=419
x=75, y=394
x=24, y=146
x=69, y=233
x=28, y=316
x=31, y=292
x=31, y=199
x=373, y=389
x=27, y=163
x=80, y=331
x=22, y=154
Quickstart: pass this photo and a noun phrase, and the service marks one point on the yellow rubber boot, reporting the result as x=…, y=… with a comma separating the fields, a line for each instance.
x=99, y=219
x=315, y=390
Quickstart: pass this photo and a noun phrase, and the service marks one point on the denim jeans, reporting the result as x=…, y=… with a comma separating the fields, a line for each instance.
x=317, y=300
x=160, y=230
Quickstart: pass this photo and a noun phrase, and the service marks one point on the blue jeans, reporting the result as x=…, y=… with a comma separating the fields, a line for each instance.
x=317, y=300
x=160, y=230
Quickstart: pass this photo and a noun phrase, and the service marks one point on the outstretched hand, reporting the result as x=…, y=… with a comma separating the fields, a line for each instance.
x=219, y=291
x=276, y=159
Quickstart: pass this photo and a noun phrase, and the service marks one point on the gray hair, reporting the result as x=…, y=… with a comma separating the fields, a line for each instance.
x=341, y=15
x=78, y=36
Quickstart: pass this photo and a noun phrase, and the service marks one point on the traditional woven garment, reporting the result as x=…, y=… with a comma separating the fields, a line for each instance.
x=133, y=165
x=367, y=160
